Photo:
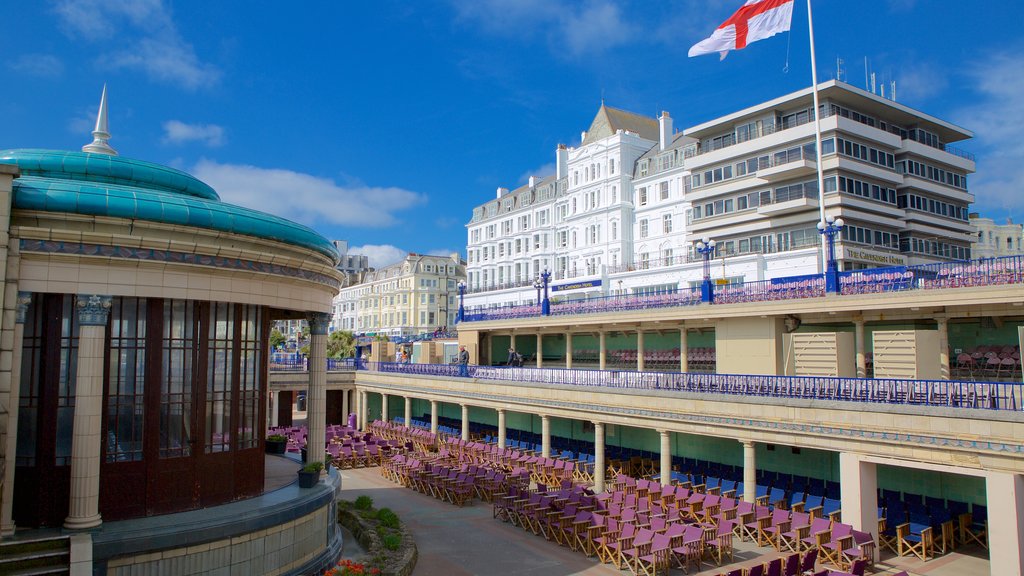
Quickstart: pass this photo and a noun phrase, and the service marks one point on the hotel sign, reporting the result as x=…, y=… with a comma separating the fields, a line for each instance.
x=882, y=258
x=576, y=286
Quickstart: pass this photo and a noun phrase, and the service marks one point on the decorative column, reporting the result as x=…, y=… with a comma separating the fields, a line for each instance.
x=433, y=416
x=275, y=405
x=465, y=422
x=858, y=336
x=666, y=457
x=316, y=396
x=749, y=471
x=7, y=496
x=568, y=349
x=943, y=347
x=599, y=465
x=84, y=505
x=362, y=410
x=639, y=350
x=545, y=436
x=344, y=404
x=858, y=481
x=408, y=412
x=384, y=407
x=684, y=350
x=512, y=341
x=501, y=428
x=540, y=350
x=602, y=350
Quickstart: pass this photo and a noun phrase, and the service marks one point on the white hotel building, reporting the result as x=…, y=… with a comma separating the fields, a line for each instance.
x=625, y=207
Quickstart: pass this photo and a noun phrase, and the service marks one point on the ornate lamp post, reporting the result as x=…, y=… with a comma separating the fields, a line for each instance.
x=830, y=227
x=545, y=305
x=462, y=298
x=538, y=285
x=706, y=248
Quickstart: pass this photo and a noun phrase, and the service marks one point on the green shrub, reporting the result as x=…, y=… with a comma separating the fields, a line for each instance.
x=364, y=503
x=276, y=438
x=313, y=467
x=392, y=541
x=387, y=518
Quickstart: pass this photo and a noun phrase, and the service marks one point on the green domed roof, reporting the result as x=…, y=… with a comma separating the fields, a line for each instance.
x=104, y=185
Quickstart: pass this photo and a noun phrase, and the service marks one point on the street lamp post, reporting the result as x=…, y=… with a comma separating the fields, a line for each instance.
x=462, y=299
x=706, y=248
x=830, y=227
x=545, y=305
x=538, y=285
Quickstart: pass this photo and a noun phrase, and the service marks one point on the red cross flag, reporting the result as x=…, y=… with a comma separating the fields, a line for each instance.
x=756, y=20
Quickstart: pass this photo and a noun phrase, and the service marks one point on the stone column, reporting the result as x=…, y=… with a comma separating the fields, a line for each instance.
x=858, y=482
x=602, y=350
x=11, y=439
x=316, y=396
x=1005, y=499
x=275, y=404
x=433, y=416
x=943, y=347
x=384, y=407
x=749, y=471
x=408, y=412
x=540, y=350
x=344, y=404
x=84, y=505
x=501, y=428
x=599, y=465
x=684, y=351
x=362, y=410
x=512, y=341
x=568, y=349
x=858, y=337
x=545, y=436
x=666, y=457
x=465, y=422
x=640, y=351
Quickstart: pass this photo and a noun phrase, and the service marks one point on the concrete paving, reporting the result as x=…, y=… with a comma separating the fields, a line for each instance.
x=462, y=541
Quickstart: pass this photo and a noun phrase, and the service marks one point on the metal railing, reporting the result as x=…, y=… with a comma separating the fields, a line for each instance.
x=302, y=365
x=961, y=274
x=947, y=393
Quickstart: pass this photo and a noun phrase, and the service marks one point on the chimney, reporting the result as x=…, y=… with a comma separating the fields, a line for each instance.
x=561, y=162
x=665, y=125
x=533, y=181
x=501, y=191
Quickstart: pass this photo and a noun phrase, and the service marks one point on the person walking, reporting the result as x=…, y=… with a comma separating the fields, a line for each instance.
x=511, y=357
x=463, y=362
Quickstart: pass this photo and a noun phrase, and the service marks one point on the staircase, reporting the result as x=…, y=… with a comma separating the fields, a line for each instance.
x=35, y=556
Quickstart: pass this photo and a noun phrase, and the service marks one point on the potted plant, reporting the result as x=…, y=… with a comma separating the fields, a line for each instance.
x=310, y=474
x=276, y=444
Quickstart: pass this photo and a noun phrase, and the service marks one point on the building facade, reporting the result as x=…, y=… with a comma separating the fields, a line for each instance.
x=995, y=240
x=625, y=209
x=417, y=295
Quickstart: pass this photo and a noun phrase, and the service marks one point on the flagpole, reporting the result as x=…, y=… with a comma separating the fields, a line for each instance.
x=817, y=139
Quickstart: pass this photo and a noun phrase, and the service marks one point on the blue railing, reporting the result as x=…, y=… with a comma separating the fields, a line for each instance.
x=948, y=393
x=301, y=365
x=962, y=274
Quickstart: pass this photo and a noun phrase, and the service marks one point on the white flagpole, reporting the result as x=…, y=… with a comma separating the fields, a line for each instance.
x=817, y=139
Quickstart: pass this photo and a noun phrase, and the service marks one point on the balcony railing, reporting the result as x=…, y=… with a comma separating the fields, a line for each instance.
x=962, y=274
x=946, y=393
x=302, y=365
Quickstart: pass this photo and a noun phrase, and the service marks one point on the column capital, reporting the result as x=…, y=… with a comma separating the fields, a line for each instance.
x=24, y=299
x=597, y=424
x=663, y=432
x=318, y=323
x=545, y=417
x=500, y=410
x=747, y=443
x=93, y=309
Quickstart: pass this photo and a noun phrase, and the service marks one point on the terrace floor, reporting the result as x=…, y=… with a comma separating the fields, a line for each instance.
x=462, y=541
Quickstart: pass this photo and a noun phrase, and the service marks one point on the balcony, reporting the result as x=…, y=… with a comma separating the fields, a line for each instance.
x=788, y=164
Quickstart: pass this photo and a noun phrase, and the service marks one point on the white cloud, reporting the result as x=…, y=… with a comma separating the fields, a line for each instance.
x=305, y=198
x=542, y=171
x=178, y=132
x=136, y=34
x=44, y=65
x=592, y=28
x=995, y=116
x=380, y=255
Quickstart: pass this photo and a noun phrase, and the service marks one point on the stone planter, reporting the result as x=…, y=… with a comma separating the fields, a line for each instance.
x=308, y=479
x=275, y=446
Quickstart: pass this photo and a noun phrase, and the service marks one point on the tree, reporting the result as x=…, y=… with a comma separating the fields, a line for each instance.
x=341, y=344
x=276, y=339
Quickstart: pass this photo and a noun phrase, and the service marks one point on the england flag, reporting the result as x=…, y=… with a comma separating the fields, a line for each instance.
x=756, y=20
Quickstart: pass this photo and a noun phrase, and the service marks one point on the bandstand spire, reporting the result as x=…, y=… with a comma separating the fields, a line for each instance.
x=100, y=134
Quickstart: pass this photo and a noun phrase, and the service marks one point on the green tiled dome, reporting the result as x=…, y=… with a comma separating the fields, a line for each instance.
x=104, y=185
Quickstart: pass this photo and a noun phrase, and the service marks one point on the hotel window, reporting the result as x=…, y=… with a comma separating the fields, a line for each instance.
x=666, y=223
x=615, y=229
x=642, y=194
x=615, y=192
x=643, y=228
x=664, y=190
x=611, y=166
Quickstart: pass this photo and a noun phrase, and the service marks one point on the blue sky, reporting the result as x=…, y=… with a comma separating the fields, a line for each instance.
x=385, y=122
